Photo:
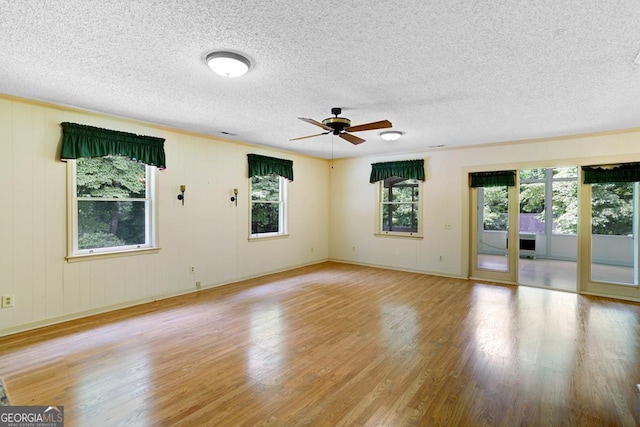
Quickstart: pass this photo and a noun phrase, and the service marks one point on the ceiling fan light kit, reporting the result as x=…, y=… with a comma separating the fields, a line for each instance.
x=341, y=126
x=228, y=64
x=390, y=135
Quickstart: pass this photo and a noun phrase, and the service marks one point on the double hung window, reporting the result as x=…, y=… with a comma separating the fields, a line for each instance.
x=399, y=204
x=113, y=205
x=111, y=190
x=399, y=190
x=269, y=180
x=268, y=205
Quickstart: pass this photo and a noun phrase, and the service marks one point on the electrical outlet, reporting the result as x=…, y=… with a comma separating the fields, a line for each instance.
x=441, y=258
x=192, y=269
x=447, y=226
x=198, y=285
x=353, y=249
x=7, y=301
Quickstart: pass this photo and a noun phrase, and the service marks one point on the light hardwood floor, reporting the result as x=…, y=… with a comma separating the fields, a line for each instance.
x=557, y=274
x=339, y=345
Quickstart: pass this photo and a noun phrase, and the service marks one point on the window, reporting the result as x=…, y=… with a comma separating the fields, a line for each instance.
x=532, y=200
x=549, y=187
x=399, y=205
x=398, y=196
x=612, y=208
x=112, y=205
x=565, y=200
x=268, y=205
x=495, y=208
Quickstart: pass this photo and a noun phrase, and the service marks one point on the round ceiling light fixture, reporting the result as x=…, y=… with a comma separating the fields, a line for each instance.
x=390, y=135
x=228, y=64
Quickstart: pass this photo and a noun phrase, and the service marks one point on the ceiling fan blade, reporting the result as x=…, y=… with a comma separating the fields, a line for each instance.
x=315, y=122
x=370, y=126
x=308, y=136
x=355, y=140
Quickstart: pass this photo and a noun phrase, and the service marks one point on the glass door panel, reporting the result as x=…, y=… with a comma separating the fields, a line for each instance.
x=614, y=233
x=493, y=246
x=493, y=226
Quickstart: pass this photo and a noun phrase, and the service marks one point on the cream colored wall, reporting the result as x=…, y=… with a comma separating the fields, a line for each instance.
x=445, y=198
x=209, y=232
x=331, y=214
x=353, y=216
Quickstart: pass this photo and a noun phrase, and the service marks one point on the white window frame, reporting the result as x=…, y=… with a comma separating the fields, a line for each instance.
x=380, y=205
x=151, y=219
x=282, y=211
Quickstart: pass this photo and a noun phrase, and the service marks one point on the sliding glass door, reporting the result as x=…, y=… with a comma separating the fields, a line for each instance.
x=568, y=228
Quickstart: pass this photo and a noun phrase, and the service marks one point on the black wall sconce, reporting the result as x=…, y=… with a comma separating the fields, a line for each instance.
x=234, y=198
x=181, y=195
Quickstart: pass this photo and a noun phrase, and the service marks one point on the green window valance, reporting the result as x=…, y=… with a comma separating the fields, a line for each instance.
x=627, y=172
x=87, y=141
x=492, y=179
x=410, y=169
x=263, y=165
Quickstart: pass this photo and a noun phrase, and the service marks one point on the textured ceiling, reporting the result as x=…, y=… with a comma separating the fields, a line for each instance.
x=454, y=72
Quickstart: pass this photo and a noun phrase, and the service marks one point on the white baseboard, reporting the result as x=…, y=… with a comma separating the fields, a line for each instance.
x=408, y=270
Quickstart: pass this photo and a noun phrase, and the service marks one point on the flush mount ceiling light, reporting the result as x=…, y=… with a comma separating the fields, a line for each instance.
x=227, y=64
x=390, y=135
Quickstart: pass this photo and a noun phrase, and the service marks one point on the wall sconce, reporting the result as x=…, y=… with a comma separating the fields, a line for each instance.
x=181, y=195
x=234, y=198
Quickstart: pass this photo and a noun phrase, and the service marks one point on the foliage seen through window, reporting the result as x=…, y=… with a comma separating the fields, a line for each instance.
x=267, y=204
x=112, y=202
x=400, y=203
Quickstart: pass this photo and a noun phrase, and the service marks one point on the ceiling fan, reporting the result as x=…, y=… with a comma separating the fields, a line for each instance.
x=341, y=126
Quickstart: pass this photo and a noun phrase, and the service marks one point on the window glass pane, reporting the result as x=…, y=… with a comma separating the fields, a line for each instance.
x=400, y=201
x=265, y=218
x=110, y=176
x=103, y=224
x=403, y=193
x=265, y=188
x=571, y=172
x=565, y=207
x=400, y=217
x=612, y=209
x=532, y=207
x=493, y=203
x=398, y=189
x=495, y=208
x=612, y=250
x=532, y=174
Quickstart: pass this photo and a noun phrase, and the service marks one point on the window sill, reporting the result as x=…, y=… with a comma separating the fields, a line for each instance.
x=107, y=255
x=398, y=234
x=258, y=237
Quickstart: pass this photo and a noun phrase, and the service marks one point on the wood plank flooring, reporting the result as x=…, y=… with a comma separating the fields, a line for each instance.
x=339, y=345
x=557, y=274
